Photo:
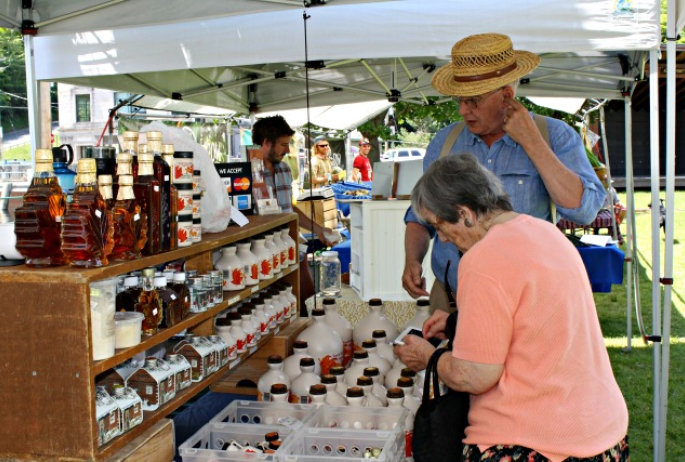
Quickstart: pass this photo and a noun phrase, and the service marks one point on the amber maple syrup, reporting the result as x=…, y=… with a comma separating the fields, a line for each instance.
x=130, y=224
x=147, y=193
x=149, y=303
x=87, y=231
x=162, y=172
x=168, y=156
x=38, y=221
x=130, y=146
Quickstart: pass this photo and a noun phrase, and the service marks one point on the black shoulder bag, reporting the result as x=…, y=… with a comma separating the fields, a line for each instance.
x=440, y=422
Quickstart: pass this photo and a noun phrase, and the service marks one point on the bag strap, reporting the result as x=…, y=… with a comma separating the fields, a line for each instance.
x=432, y=375
x=451, y=139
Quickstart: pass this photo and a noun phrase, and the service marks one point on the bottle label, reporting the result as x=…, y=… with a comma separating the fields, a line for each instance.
x=263, y=327
x=266, y=267
x=329, y=361
x=276, y=260
x=237, y=279
x=348, y=353
x=250, y=339
x=240, y=344
x=284, y=257
x=408, y=442
x=254, y=272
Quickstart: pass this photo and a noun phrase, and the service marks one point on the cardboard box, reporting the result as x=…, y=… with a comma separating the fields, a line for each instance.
x=325, y=211
x=237, y=179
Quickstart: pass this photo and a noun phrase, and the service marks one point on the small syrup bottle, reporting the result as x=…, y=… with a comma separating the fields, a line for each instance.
x=168, y=156
x=162, y=173
x=149, y=303
x=105, y=187
x=130, y=146
x=147, y=193
x=130, y=224
x=38, y=222
x=88, y=229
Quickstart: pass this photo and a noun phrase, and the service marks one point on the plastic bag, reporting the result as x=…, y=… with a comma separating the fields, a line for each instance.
x=216, y=204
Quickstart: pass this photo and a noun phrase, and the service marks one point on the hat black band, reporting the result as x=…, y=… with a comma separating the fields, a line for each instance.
x=489, y=75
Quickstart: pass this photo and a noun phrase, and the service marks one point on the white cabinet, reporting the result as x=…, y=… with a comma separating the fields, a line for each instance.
x=377, y=256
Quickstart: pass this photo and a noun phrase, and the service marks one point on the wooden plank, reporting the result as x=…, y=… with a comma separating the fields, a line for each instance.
x=48, y=403
x=210, y=241
x=156, y=444
x=282, y=342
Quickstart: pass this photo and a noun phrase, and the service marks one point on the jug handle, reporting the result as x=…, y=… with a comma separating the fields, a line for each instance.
x=70, y=150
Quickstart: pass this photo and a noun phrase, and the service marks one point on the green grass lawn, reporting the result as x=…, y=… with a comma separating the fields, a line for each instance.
x=634, y=369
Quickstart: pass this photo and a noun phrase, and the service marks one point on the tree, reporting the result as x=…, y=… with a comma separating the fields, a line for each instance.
x=13, y=101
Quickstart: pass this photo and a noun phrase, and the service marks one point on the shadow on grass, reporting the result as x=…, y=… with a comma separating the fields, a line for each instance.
x=634, y=370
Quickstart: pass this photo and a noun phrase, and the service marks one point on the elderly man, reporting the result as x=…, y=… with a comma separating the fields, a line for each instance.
x=541, y=161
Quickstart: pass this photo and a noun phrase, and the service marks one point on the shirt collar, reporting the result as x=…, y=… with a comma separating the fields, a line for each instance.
x=472, y=139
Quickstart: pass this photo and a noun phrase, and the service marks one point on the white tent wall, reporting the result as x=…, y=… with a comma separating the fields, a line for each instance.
x=218, y=48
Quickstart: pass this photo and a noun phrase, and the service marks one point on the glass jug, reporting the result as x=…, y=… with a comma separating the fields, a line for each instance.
x=329, y=274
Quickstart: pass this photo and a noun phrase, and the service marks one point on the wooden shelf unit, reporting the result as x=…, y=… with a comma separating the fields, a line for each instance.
x=47, y=372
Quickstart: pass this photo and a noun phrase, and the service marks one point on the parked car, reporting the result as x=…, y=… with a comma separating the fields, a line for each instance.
x=402, y=154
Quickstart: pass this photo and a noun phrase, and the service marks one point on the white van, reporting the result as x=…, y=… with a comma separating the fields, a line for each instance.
x=402, y=154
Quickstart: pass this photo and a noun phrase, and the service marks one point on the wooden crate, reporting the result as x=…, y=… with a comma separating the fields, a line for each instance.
x=325, y=211
x=243, y=379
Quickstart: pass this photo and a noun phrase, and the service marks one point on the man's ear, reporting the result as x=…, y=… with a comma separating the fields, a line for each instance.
x=508, y=91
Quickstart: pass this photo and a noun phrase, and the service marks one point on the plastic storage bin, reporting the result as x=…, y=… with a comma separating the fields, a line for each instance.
x=206, y=445
x=358, y=418
x=324, y=445
x=265, y=413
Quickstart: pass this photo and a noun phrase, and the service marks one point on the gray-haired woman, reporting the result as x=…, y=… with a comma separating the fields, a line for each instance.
x=528, y=345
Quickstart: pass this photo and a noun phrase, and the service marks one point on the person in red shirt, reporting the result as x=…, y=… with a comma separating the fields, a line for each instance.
x=362, y=164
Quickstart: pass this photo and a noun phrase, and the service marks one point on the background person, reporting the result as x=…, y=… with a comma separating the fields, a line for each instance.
x=273, y=135
x=501, y=133
x=362, y=164
x=528, y=345
x=322, y=166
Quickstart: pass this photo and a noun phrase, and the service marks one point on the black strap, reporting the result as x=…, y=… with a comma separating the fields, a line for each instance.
x=432, y=375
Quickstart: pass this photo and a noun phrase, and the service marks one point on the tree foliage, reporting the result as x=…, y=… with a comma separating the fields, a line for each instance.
x=12, y=80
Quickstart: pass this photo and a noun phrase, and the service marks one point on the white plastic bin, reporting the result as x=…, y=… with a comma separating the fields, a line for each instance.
x=265, y=413
x=358, y=418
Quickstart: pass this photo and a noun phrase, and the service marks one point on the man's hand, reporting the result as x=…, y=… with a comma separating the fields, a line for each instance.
x=413, y=281
x=322, y=233
x=518, y=124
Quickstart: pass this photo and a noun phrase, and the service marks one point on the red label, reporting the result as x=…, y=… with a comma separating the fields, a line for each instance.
x=232, y=350
x=254, y=271
x=263, y=327
x=266, y=267
x=240, y=345
x=327, y=362
x=291, y=253
x=178, y=172
x=284, y=257
x=348, y=352
x=408, y=442
x=250, y=339
x=236, y=277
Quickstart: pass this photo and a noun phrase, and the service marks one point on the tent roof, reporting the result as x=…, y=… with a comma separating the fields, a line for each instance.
x=250, y=53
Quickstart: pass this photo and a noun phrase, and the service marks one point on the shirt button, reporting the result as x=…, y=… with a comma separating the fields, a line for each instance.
x=520, y=181
x=489, y=161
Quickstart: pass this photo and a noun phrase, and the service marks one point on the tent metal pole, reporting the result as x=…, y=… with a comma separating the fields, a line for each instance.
x=656, y=257
x=667, y=280
x=630, y=213
x=610, y=189
x=33, y=97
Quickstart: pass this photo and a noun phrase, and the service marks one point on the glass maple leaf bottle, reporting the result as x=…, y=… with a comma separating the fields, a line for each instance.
x=147, y=193
x=130, y=224
x=88, y=230
x=162, y=173
x=38, y=221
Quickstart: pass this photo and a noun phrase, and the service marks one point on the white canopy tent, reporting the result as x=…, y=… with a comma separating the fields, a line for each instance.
x=261, y=55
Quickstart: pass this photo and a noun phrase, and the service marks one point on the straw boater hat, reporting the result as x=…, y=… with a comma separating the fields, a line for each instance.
x=483, y=63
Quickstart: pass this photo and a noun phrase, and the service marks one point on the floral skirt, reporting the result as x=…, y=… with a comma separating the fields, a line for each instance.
x=508, y=453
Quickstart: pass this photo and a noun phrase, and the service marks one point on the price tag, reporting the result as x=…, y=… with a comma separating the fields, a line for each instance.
x=277, y=330
x=233, y=300
x=233, y=363
x=253, y=350
x=166, y=178
x=254, y=289
x=98, y=213
x=279, y=275
x=154, y=312
x=156, y=188
x=136, y=217
x=293, y=267
x=58, y=218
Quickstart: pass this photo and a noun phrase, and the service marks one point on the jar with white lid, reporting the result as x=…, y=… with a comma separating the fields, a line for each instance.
x=329, y=274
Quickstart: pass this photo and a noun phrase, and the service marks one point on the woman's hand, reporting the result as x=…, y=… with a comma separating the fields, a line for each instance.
x=415, y=352
x=435, y=325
